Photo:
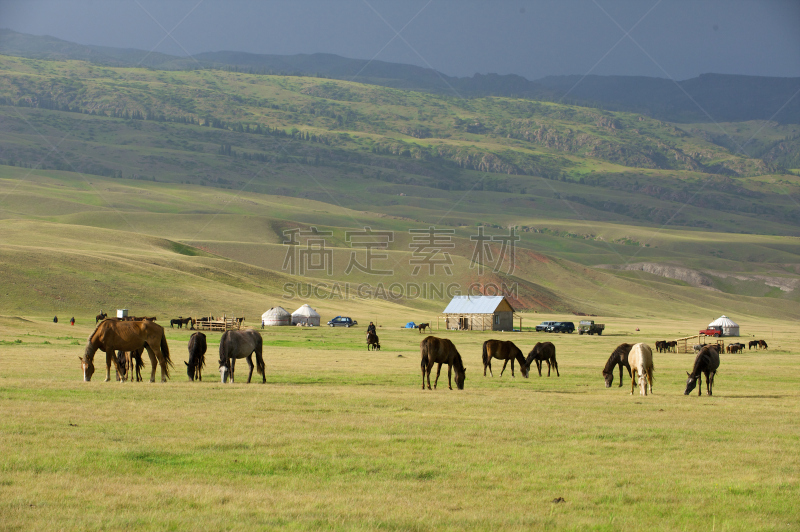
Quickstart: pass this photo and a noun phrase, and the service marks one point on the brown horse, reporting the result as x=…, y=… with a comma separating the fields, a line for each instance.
x=503, y=350
x=423, y=326
x=543, y=351
x=440, y=351
x=707, y=361
x=100, y=317
x=115, y=335
x=373, y=341
x=618, y=358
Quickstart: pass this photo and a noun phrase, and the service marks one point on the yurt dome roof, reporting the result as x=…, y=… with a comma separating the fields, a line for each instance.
x=723, y=321
x=276, y=313
x=306, y=311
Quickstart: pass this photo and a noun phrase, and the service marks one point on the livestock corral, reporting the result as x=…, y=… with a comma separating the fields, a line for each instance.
x=344, y=438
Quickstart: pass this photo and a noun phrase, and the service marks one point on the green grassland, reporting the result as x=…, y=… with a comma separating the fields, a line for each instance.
x=74, y=244
x=345, y=440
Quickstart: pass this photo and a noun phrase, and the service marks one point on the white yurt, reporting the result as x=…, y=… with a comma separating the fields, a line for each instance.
x=306, y=315
x=276, y=316
x=729, y=328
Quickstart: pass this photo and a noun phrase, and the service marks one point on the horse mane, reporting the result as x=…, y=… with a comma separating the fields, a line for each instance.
x=616, y=357
x=457, y=362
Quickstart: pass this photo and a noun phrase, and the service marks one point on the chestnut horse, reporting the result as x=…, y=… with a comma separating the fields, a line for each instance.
x=423, y=326
x=112, y=335
x=641, y=360
x=441, y=351
x=503, y=350
x=618, y=358
x=543, y=351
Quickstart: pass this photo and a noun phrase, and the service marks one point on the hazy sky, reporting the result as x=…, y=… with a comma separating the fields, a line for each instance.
x=670, y=38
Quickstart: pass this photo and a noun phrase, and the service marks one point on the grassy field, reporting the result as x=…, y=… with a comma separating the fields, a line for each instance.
x=342, y=439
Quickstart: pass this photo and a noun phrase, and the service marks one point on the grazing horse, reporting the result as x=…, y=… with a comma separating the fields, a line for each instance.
x=618, y=358
x=180, y=322
x=100, y=317
x=129, y=363
x=751, y=344
x=505, y=351
x=543, y=351
x=112, y=335
x=661, y=346
x=240, y=344
x=373, y=342
x=641, y=360
x=762, y=344
x=423, y=326
x=707, y=361
x=197, y=356
x=441, y=351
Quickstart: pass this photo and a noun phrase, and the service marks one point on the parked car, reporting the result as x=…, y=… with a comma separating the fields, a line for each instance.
x=542, y=327
x=562, y=327
x=342, y=321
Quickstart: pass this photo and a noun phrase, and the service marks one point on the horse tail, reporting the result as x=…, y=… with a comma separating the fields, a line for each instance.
x=260, y=366
x=485, y=354
x=165, y=353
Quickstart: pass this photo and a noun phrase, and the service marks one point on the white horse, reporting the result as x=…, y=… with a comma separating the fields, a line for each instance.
x=641, y=360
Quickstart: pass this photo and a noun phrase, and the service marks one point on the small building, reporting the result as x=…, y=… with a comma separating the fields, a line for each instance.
x=479, y=313
x=276, y=316
x=727, y=325
x=306, y=315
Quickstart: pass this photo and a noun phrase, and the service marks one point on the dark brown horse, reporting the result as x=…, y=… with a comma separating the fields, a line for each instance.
x=113, y=335
x=197, y=356
x=543, y=351
x=618, y=358
x=707, y=361
x=241, y=344
x=180, y=322
x=130, y=364
x=100, y=317
x=441, y=351
x=503, y=350
x=423, y=326
x=751, y=344
x=762, y=344
x=373, y=342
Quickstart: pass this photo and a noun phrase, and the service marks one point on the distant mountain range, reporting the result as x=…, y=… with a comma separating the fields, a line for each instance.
x=707, y=98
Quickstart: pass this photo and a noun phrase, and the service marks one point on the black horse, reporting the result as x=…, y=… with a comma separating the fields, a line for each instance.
x=373, y=342
x=707, y=361
x=197, y=356
x=180, y=322
x=618, y=358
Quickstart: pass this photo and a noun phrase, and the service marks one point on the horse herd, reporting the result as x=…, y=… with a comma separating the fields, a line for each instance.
x=124, y=342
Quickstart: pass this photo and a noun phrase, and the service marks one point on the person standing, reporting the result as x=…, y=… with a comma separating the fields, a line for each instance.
x=55, y=319
x=72, y=320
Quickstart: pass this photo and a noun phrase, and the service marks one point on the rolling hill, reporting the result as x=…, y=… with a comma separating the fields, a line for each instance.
x=170, y=191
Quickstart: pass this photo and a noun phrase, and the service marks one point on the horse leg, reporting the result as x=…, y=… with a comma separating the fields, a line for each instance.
x=632, y=381
x=449, y=380
x=555, y=365
x=233, y=365
x=153, y=363
x=109, y=357
x=505, y=362
x=548, y=367
x=250, y=363
x=438, y=371
x=512, y=368
x=710, y=381
x=539, y=366
x=429, y=369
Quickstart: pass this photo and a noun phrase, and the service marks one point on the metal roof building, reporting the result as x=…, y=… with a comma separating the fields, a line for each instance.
x=479, y=313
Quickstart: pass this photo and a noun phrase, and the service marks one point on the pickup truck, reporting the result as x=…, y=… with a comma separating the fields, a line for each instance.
x=590, y=327
x=713, y=331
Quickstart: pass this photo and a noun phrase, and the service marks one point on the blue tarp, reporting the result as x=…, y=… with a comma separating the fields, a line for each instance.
x=410, y=325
